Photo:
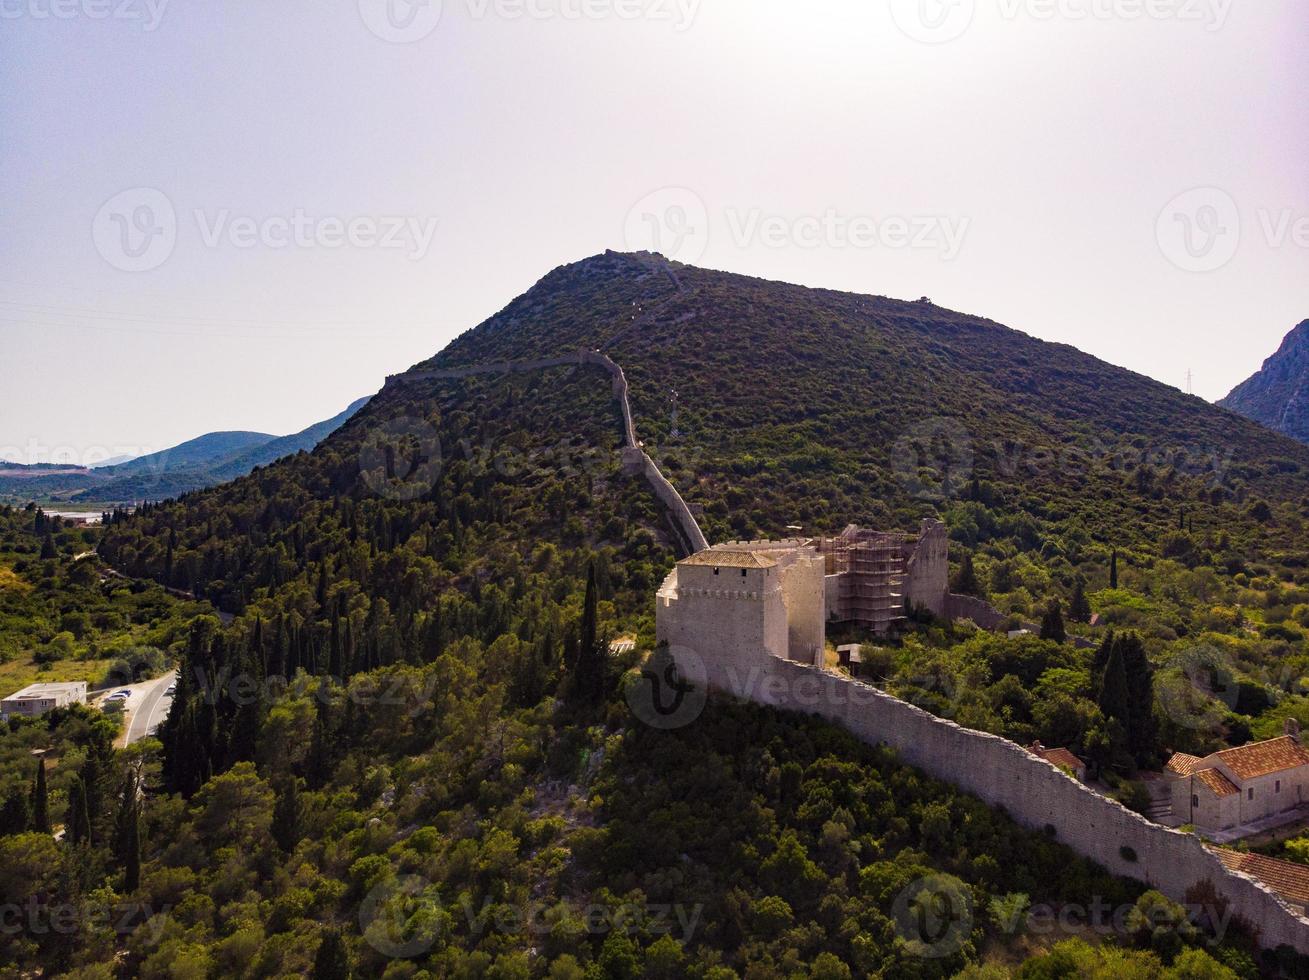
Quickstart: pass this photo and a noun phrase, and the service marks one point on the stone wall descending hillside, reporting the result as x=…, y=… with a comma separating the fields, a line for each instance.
x=1032, y=791
x=636, y=461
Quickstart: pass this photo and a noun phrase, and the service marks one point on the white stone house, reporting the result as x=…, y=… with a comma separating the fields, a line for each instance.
x=1240, y=786
x=36, y=699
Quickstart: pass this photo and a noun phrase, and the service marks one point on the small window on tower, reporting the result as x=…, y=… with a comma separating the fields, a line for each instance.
x=743, y=573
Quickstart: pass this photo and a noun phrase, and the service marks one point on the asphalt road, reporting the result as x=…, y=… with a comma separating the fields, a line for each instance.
x=151, y=707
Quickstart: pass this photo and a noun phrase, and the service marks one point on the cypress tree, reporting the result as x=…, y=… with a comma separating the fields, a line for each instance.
x=40, y=801
x=92, y=790
x=16, y=814
x=1101, y=660
x=276, y=666
x=334, y=649
x=320, y=593
x=286, y=813
x=48, y=551
x=1142, y=733
x=319, y=764
x=257, y=648
x=1052, y=626
x=589, y=680
x=77, y=822
x=332, y=961
x=248, y=717
x=1114, y=697
x=126, y=807
x=168, y=557
x=1113, y=569
x=1079, y=608
x=965, y=580
x=132, y=859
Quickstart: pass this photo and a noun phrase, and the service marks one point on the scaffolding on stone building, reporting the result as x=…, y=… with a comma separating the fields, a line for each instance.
x=870, y=570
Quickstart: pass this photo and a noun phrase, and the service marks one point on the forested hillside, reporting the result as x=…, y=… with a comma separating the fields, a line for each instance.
x=425, y=603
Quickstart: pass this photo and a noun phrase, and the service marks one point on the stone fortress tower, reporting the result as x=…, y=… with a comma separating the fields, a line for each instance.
x=741, y=600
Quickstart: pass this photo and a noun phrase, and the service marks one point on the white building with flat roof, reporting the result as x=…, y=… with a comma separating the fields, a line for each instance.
x=36, y=699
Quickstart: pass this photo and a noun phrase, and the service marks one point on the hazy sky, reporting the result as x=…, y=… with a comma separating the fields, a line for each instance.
x=243, y=215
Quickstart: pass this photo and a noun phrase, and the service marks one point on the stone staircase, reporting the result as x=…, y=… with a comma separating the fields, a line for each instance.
x=1160, y=809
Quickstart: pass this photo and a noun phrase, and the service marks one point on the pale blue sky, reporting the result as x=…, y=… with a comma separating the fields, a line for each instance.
x=1039, y=165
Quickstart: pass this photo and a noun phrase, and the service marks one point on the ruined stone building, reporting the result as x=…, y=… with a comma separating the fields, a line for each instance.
x=873, y=577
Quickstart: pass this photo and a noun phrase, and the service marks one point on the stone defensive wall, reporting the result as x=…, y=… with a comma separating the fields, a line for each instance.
x=635, y=459
x=979, y=611
x=1032, y=791
x=670, y=498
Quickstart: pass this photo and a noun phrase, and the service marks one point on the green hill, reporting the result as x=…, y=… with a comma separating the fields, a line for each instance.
x=470, y=545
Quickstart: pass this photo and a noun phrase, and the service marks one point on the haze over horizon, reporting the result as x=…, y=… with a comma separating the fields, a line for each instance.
x=262, y=216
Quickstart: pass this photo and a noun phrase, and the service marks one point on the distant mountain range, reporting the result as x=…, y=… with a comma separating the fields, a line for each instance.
x=1278, y=394
x=205, y=461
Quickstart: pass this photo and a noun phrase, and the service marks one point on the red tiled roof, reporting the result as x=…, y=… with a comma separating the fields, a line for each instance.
x=1261, y=758
x=1062, y=757
x=1289, y=880
x=1215, y=782
x=1183, y=764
